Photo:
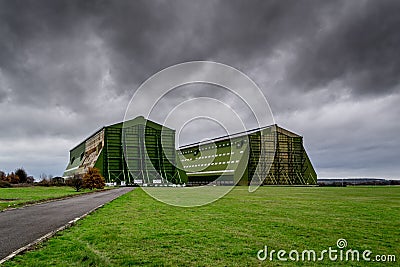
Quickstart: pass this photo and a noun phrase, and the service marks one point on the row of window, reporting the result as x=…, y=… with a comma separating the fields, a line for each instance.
x=211, y=164
x=210, y=183
x=207, y=148
x=217, y=155
x=237, y=143
x=212, y=156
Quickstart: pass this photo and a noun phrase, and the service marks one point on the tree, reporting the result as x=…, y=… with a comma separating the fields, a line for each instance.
x=2, y=176
x=43, y=176
x=3, y=180
x=21, y=174
x=76, y=182
x=93, y=179
x=12, y=178
x=30, y=179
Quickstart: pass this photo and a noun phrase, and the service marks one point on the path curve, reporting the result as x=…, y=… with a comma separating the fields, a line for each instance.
x=21, y=226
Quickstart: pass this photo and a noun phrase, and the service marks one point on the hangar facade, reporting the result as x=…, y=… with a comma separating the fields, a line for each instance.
x=129, y=152
x=143, y=152
x=271, y=155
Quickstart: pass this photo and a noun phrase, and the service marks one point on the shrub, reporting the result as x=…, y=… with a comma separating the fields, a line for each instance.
x=4, y=184
x=57, y=181
x=76, y=182
x=30, y=179
x=12, y=178
x=2, y=176
x=93, y=179
x=44, y=182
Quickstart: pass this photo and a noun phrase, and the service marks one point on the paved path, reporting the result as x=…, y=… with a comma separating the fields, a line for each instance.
x=22, y=226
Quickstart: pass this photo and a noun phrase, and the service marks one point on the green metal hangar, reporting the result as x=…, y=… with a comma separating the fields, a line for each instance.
x=238, y=158
x=142, y=152
x=129, y=153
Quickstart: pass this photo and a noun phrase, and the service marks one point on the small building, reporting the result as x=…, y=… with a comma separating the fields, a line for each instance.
x=271, y=155
x=137, y=151
x=57, y=180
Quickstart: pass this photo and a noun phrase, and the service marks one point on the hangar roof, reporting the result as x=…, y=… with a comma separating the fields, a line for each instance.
x=239, y=134
x=136, y=121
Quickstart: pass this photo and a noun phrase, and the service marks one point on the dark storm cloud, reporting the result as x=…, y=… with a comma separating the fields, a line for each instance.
x=331, y=40
x=38, y=48
x=68, y=67
x=162, y=33
x=360, y=46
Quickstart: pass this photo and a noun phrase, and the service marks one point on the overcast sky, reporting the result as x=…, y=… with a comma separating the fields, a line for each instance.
x=330, y=71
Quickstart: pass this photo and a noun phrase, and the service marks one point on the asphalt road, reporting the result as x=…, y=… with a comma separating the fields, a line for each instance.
x=22, y=226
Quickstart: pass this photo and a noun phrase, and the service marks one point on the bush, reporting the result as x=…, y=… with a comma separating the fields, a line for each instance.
x=2, y=176
x=57, y=181
x=93, y=179
x=76, y=182
x=30, y=179
x=44, y=182
x=12, y=178
x=4, y=184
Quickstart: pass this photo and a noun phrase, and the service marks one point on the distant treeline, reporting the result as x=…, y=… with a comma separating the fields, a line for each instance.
x=92, y=179
x=356, y=181
x=20, y=178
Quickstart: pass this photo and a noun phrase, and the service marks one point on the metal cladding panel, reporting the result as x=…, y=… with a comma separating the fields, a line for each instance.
x=204, y=163
x=287, y=165
x=140, y=150
x=114, y=170
x=99, y=164
x=85, y=154
x=76, y=156
x=118, y=151
x=276, y=156
x=310, y=175
x=160, y=148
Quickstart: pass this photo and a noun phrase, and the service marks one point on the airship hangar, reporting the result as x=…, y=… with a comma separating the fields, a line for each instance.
x=142, y=152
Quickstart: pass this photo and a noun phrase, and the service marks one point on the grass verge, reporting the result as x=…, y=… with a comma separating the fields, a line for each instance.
x=137, y=230
x=20, y=196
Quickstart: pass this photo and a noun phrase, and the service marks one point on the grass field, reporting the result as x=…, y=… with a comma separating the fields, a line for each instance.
x=19, y=196
x=135, y=229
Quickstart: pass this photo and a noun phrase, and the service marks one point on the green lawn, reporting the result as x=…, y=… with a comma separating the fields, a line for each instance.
x=135, y=229
x=19, y=196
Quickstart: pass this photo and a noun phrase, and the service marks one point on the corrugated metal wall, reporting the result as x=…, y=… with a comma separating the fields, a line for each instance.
x=271, y=156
